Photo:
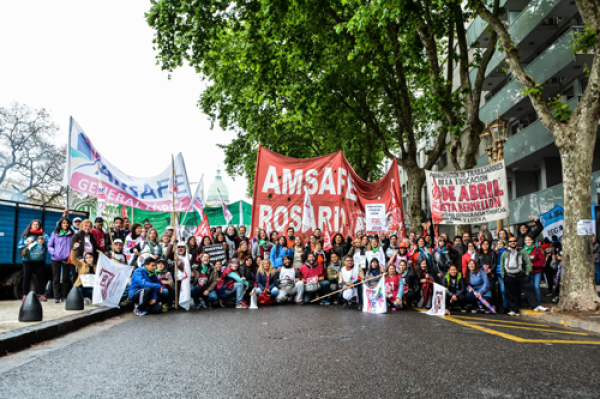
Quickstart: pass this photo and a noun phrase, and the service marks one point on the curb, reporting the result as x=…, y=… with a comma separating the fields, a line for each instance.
x=562, y=320
x=22, y=338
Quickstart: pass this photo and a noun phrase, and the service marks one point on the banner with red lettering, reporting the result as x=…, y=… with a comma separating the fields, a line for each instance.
x=468, y=196
x=337, y=194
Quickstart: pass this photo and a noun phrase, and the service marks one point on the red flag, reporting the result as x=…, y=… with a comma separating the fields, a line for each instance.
x=203, y=229
x=326, y=237
x=124, y=211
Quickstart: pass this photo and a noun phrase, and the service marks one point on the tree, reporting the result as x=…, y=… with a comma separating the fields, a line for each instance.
x=29, y=161
x=575, y=135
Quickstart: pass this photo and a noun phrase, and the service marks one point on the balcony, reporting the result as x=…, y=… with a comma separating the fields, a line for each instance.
x=544, y=200
x=526, y=142
x=554, y=60
x=478, y=27
x=526, y=28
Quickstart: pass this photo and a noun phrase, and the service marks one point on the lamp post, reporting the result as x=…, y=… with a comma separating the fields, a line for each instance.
x=493, y=139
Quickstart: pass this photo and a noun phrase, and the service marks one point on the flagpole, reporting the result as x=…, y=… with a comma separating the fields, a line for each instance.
x=175, y=256
x=68, y=171
x=242, y=214
x=107, y=219
x=186, y=212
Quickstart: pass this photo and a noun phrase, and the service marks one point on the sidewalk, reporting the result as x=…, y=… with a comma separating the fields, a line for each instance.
x=589, y=323
x=15, y=335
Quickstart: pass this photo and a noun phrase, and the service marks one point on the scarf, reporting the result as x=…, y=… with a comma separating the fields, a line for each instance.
x=37, y=232
x=336, y=266
x=427, y=253
x=160, y=272
x=152, y=246
x=375, y=250
x=64, y=232
x=472, y=253
x=148, y=272
x=261, y=243
x=528, y=249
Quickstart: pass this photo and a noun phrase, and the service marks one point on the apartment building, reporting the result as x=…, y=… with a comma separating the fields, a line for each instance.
x=543, y=31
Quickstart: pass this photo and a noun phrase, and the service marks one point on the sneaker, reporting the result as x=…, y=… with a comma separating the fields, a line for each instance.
x=139, y=312
x=474, y=310
x=165, y=308
x=324, y=302
x=463, y=310
x=359, y=307
x=540, y=309
x=487, y=311
x=345, y=305
x=63, y=299
x=203, y=304
x=87, y=300
x=511, y=313
x=42, y=298
x=555, y=299
x=196, y=306
x=56, y=300
x=335, y=302
x=241, y=305
x=220, y=302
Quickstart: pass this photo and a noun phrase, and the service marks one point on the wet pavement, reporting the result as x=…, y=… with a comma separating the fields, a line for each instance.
x=309, y=352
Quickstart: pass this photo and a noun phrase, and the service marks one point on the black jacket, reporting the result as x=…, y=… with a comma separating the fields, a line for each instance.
x=534, y=233
x=459, y=288
x=80, y=238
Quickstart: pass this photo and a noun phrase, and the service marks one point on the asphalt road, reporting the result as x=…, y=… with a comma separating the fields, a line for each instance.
x=308, y=352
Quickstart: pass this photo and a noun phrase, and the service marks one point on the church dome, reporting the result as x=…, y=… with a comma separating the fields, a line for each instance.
x=212, y=198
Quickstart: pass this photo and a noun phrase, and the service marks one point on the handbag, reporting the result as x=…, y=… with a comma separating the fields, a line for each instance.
x=266, y=298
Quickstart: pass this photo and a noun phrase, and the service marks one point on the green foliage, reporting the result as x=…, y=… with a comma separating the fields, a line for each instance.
x=585, y=41
x=535, y=91
x=560, y=110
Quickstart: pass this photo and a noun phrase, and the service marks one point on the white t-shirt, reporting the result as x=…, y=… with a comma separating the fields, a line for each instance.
x=87, y=246
x=287, y=273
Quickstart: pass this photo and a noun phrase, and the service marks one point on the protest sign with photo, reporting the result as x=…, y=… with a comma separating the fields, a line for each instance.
x=468, y=196
x=216, y=252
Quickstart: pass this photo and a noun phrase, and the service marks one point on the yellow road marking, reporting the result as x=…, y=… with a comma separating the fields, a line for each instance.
x=536, y=329
x=515, y=338
x=478, y=319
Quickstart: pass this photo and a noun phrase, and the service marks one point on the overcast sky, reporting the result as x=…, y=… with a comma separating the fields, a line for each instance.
x=94, y=61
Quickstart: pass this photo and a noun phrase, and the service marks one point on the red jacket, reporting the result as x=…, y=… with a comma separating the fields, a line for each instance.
x=538, y=260
x=100, y=239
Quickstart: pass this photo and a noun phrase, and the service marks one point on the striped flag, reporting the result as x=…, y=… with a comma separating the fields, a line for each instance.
x=198, y=202
x=226, y=213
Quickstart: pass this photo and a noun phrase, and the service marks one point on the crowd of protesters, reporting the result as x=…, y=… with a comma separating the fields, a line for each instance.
x=295, y=269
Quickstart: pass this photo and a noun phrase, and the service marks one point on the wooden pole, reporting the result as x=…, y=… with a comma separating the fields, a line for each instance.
x=107, y=217
x=350, y=286
x=175, y=256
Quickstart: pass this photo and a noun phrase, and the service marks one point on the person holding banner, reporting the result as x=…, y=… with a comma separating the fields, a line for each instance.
x=145, y=288
x=350, y=274
x=84, y=269
x=478, y=280
x=205, y=242
x=455, y=284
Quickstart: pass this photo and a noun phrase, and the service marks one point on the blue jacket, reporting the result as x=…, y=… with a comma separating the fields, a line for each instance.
x=277, y=259
x=480, y=283
x=500, y=252
x=141, y=280
x=261, y=281
x=34, y=237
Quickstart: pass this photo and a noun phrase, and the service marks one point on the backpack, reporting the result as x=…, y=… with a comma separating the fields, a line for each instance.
x=510, y=269
x=37, y=252
x=265, y=299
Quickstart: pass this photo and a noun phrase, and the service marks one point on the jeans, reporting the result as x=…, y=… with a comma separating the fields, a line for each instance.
x=597, y=272
x=238, y=288
x=513, y=285
x=536, y=279
x=473, y=300
x=197, y=294
x=40, y=276
x=61, y=290
x=297, y=291
x=86, y=292
x=274, y=291
x=142, y=299
x=323, y=290
x=502, y=292
x=166, y=296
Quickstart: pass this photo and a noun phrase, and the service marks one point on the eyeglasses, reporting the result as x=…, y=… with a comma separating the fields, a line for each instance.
x=512, y=241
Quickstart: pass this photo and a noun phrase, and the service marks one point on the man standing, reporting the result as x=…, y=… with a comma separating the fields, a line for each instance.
x=290, y=237
x=242, y=234
x=99, y=234
x=515, y=268
x=117, y=232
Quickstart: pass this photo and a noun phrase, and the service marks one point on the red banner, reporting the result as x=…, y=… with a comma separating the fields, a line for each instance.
x=337, y=193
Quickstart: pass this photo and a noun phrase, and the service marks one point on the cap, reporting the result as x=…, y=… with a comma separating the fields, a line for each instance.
x=502, y=241
x=170, y=228
x=77, y=219
x=117, y=240
x=403, y=245
x=99, y=220
x=181, y=244
x=235, y=261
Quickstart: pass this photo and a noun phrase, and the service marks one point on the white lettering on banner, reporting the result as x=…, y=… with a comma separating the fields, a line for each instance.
x=296, y=217
x=265, y=215
x=349, y=194
x=341, y=182
x=281, y=210
x=294, y=184
x=327, y=182
x=324, y=216
x=271, y=181
x=311, y=175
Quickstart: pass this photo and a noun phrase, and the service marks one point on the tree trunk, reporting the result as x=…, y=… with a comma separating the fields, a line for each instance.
x=415, y=214
x=577, y=288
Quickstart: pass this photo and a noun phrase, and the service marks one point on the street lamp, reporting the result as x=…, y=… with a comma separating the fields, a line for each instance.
x=493, y=139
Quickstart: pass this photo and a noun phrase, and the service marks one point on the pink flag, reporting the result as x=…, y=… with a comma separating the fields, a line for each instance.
x=203, y=229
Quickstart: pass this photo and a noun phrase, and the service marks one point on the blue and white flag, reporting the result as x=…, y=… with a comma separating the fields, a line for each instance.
x=553, y=222
x=228, y=216
x=198, y=203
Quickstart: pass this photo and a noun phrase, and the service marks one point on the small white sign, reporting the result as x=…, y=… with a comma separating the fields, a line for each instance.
x=375, y=215
x=87, y=280
x=584, y=227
